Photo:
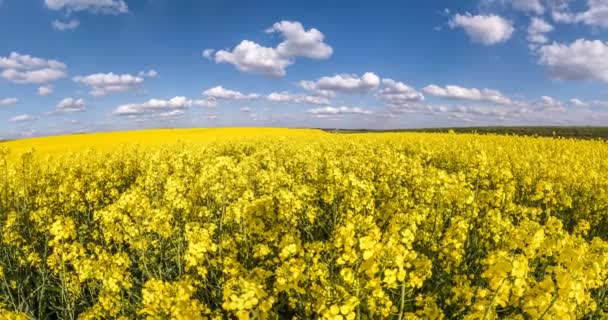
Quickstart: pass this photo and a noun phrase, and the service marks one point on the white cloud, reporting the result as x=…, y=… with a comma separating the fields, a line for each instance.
x=471, y=94
x=300, y=42
x=595, y=15
x=346, y=83
x=398, y=93
x=68, y=105
x=220, y=92
x=105, y=83
x=8, y=101
x=580, y=60
x=533, y=6
x=45, y=90
x=22, y=118
x=334, y=111
x=249, y=56
x=150, y=73
x=96, y=6
x=484, y=29
x=20, y=68
x=62, y=26
x=171, y=114
x=285, y=97
x=205, y=103
x=537, y=29
x=208, y=53
x=586, y=104
x=160, y=106
x=547, y=103
x=578, y=103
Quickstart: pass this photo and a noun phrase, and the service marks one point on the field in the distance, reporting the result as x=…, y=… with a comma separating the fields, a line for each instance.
x=303, y=224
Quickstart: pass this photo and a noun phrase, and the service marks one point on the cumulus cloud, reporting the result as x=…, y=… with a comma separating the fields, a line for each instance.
x=161, y=107
x=221, y=93
x=22, y=68
x=484, y=29
x=586, y=104
x=533, y=6
x=21, y=118
x=69, y=105
x=63, y=26
x=95, y=6
x=579, y=103
x=249, y=56
x=208, y=53
x=580, y=60
x=345, y=83
x=547, y=103
x=106, y=83
x=8, y=101
x=45, y=90
x=150, y=73
x=336, y=111
x=537, y=30
x=300, y=42
x=285, y=97
x=398, y=93
x=153, y=105
x=171, y=114
x=596, y=13
x=471, y=94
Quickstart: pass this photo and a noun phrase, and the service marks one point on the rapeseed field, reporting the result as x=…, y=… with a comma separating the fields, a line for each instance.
x=302, y=224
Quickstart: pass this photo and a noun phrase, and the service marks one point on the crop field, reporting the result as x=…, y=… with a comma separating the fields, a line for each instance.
x=303, y=224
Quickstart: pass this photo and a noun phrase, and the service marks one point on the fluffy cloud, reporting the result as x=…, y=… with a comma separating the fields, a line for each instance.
x=578, y=103
x=45, y=90
x=336, y=111
x=398, y=93
x=595, y=15
x=471, y=94
x=533, y=6
x=68, y=105
x=220, y=92
x=161, y=107
x=105, y=83
x=96, y=6
x=300, y=42
x=547, y=103
x=537, y=29
x=150, y=73
x=586, y=104
x=484, y=29
x=346, y=83
x=171, y=114
x=249, y=56
x=285, y=97
x=153, y=105
x=20, y=68
x=8, y=101
x=62, y=26
x=21, y=118
x=580, y=60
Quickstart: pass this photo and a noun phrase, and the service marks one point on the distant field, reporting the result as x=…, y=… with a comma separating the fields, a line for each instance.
x=109, y=141
x=567, y=132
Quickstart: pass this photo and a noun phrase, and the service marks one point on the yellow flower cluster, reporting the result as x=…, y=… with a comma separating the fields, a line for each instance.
x=362, y=226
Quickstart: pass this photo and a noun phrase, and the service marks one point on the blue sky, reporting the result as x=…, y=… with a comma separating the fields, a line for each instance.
x=97, y=65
